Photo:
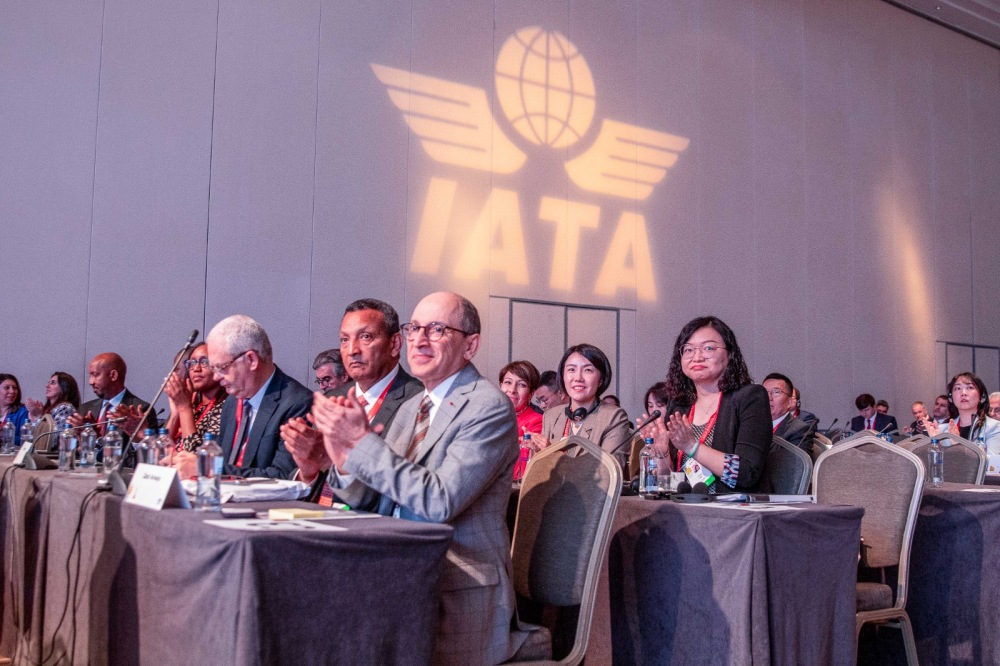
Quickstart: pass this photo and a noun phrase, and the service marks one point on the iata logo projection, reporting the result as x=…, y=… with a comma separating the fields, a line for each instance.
x=547, y=94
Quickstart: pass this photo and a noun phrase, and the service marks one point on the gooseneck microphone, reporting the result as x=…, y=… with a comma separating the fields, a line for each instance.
x=652, y=417
x=115, y=478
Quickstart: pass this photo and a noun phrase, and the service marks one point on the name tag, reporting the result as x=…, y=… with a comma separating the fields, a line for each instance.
x=156, y=487
x=696, y=473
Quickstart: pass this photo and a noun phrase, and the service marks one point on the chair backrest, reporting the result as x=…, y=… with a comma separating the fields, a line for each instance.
x=887, y=482
x=913, y=441
x=45, y=434
x=964, y=462
x=820, y=444
x=569, y=494
x=788, y=468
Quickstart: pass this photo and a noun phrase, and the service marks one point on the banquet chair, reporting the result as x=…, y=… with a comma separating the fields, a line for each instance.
x=45, y=439
x=788, y=468
x=569, y=494
x=964, y=462
x=914, y=441
x=887, y=482
x=820, y=444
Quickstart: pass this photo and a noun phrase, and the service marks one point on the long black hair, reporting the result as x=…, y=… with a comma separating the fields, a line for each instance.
x=736, y=375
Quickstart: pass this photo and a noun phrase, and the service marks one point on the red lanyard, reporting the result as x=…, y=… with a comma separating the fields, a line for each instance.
x=205, y=412
x=704, y=433
x=378, y=403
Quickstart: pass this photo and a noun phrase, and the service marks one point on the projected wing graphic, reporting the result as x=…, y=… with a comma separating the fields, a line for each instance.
x=453, y=121
x=626, y=161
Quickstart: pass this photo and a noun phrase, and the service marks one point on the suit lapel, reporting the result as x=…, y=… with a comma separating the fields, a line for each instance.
x=393, y=399
x=450, y=407
x=272, y=396
x=227, y=429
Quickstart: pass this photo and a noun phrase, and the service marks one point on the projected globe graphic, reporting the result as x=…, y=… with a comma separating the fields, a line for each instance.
x=545, y=87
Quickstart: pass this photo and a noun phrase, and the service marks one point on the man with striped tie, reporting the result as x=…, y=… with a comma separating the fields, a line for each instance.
x=447, y=457
x=370, y=346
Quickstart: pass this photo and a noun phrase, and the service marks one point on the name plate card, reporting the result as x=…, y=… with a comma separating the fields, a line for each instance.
x=25, y=450
x=156, y=487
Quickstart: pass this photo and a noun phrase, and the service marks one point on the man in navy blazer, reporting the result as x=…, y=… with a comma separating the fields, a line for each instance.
x=781, y=399
x=370, y=346
x=261, y=398
x=870, y=419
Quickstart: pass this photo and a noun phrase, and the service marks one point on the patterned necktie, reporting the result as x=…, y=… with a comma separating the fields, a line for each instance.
x=421, y=428
x=242, y=434
x=100, y=418
x=362, y=401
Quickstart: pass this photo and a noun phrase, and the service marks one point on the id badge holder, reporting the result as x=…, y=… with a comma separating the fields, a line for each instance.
x=696, y=473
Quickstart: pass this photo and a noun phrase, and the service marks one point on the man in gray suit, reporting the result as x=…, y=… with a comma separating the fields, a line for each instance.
x=370, y=345
x=447, y=457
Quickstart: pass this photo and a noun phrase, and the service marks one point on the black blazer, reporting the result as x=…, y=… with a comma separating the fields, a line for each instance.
x=796, y=432
x=402, y=388
x=265, y=454
x=130, y=399
x=743, y=429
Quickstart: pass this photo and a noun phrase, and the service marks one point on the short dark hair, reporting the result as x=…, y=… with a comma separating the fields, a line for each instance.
x=595, y=356
x=735, y=376
x=330, y=356
x=864, y=401
x=613, y=398
x=882, y=403
x=390, y=318
x=550, y=380
x=777, y=376
x=523, y=370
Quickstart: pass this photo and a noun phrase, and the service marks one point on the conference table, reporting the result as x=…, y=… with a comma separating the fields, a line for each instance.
x=749, y=584
x=954, y=576
x=88, y=578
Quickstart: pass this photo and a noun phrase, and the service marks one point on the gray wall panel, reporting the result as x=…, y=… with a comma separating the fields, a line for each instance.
x=147, y=272
x=49, y=70
x=263, y=144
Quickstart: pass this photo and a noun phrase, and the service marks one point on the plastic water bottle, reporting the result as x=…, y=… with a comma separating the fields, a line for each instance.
x=88, y=451
x=28, y=432
x=67, y=449
x=935, y=463
x=144, y=449
x=209, y=494
x=524, y=455
x=162, y=445
x=648, y=467
x=112, y=445
x=7, y=438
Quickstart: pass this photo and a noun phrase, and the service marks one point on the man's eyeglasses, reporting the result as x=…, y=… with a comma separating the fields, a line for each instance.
x=707, y=350
x=222, y=367
x=435, y=330
x=192, y=362
x=325, y=381
x=777, y=391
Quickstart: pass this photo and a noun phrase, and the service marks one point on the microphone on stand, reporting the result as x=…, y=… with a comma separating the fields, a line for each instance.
x=116, y=480
x=652, y=417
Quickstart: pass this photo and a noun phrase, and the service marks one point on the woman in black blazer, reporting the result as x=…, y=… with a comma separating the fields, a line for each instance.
x=718, y=428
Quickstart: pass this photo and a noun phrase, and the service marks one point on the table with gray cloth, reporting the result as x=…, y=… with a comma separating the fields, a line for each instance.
x=141, y=586
x=955, y=577
x=686, y=584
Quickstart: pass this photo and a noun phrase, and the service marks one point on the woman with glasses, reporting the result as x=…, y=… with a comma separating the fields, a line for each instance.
x=62, y=399
x=967, y=392
x=584, y=375
x=718, y=424
x=195, y=401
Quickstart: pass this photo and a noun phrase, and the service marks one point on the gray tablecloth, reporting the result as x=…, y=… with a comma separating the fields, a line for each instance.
x=955, y=576
x=688, y=584
x=165, y=588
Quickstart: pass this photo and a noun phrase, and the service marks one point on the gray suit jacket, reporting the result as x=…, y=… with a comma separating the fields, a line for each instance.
x=606, y=427
x=461, y=476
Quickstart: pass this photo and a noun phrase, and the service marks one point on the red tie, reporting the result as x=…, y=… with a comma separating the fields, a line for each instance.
x=100, y=418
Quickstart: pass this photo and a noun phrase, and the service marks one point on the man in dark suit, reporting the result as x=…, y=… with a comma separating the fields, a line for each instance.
x=781, y=399
x=870, y=419
x=799, y=413
x=106, y=375
x=448, y=457
x=261, y=398
x=919, y=414
x=370, y=345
